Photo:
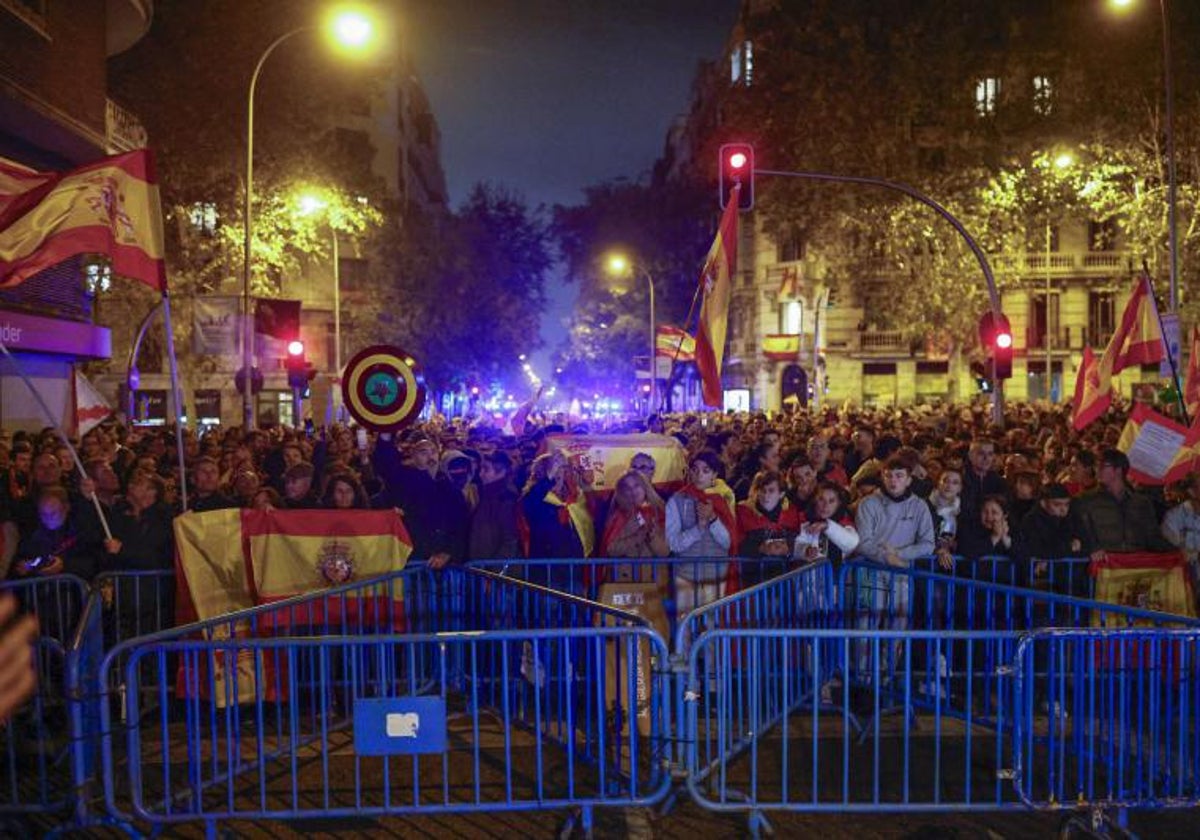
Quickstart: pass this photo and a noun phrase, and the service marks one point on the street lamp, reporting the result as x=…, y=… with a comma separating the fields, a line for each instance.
x=619, y=265
x=1169, y=95
x=351, y=29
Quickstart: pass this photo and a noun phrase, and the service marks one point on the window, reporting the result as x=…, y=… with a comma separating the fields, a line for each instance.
x=790, y=246
x=987, y=93
x=352, y=274
x=1043, y=320
x=1043, y=95
x=1102, y=236
x=791, y=318
x=1102, y=317
x=203, y=216
x=741, y=64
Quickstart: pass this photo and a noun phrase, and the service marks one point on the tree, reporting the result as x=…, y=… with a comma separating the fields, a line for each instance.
x=665, y=229
x=469, y=292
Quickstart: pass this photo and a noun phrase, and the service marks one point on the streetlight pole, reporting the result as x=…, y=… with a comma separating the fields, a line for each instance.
x=1049, y=340
x=337, y=316
x=653, y=401
x=248, y=218
x=1169, y=93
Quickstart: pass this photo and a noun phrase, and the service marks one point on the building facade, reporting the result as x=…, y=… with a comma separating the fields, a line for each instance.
x=55, y=114
x=979, y=86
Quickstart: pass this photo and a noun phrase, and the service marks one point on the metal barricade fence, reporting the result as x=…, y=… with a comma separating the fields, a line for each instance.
x=1109, y=718
x=1062, y=575
x=682, y=582
x=490, y=694
x=895, y=701
x=35, y=761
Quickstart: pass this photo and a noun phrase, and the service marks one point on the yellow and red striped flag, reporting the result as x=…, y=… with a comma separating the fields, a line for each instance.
x=277, y=554
x=108, y=207
x=1173, y=449
x=1093, y=391
x=1137, y=341
x=1139, y=338
x=675, y=343
x=1191, y=382
x=717, y=280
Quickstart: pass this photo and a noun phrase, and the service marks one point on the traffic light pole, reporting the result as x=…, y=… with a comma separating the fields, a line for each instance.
x=993, y=293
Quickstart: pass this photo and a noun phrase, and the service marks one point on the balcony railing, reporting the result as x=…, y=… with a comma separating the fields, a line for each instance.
x=1065, y=262
x=882, y=341
x=1035, y=339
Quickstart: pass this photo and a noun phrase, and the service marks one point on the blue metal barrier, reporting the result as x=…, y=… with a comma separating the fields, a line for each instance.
x=507, y=695
x=683, y=582
x=1062, y=576
x=35, y=760
x=1109, y=718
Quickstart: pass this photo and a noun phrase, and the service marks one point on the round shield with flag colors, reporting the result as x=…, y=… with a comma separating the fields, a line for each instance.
x=382, y=388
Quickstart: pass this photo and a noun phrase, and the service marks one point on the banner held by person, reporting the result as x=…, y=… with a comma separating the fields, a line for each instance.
x=1160, y=450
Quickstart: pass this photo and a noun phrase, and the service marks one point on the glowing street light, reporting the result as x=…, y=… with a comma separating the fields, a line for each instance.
x=352, y=30
x=620, y=265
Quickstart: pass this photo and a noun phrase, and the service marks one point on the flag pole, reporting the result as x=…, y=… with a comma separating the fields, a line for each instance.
x=678, y=347
x=176, y=394
x=1167, y=345
x=54, y=422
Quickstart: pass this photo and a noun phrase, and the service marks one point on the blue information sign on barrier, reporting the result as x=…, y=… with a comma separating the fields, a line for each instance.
x=400, y=726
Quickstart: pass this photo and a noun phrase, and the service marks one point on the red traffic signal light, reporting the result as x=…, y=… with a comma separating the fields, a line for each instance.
x=735, y=167
x=295, y=348
x=995, y=334
x=297, y=364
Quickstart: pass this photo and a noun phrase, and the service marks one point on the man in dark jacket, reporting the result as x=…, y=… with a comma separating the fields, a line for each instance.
x=494, y=520
x=207, y=494
x=1049, y=532
x=980, y=480
x=434, y=510
x=1116, y=518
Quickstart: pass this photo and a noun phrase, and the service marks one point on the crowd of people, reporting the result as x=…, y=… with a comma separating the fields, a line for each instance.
x=889, y=485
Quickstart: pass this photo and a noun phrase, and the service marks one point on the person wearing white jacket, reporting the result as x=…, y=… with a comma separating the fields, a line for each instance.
x=1181, y=527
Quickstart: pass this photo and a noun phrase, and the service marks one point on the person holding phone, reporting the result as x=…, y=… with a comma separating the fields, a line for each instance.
x=59, y=545
x=767, y=525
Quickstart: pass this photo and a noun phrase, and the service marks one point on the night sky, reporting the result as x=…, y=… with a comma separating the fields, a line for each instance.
x=549, y=96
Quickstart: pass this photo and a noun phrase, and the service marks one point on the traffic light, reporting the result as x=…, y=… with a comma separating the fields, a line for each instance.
x=297, y=365
x=996, y=336
x=736, y=166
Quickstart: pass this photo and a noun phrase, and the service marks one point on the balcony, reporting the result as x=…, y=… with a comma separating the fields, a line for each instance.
x=1061, y=338
x=888, y=342
x=1064, y=263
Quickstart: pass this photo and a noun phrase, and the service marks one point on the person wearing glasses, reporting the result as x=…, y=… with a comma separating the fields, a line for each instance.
x=643, y=463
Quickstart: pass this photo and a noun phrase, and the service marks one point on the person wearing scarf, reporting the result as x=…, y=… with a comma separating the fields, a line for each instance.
x=945, y=503
x=829, y=526
x=701, y=524
x=767, y=525
x=555, y=515
x=636, y=525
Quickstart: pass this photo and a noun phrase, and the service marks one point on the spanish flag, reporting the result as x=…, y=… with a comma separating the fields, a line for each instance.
x=1175, y=449
x=229, y=560
x=1093, y=391
x=717, y=280
x=1137, y=341
x=675, y=343
x=110, y=207
x=1191, y=382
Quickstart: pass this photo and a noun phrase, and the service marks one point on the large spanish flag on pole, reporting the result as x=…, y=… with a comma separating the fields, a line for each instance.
x=1137, y=341
x=717, y=280
x=109, y=207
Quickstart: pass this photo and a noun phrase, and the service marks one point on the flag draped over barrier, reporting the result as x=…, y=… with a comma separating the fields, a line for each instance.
x=222, y=555
x=109, y=207
x=717, y=282
x=1138, y=340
